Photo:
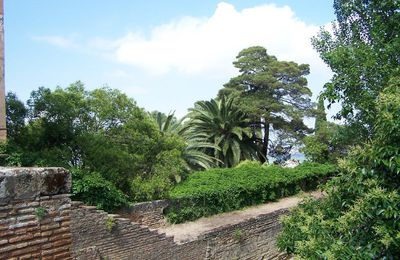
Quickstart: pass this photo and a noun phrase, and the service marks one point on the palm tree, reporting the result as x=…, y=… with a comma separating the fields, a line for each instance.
x=220, y=123
x=194, y=153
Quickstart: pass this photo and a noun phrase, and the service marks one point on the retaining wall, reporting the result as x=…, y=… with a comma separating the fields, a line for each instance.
x=38, y=221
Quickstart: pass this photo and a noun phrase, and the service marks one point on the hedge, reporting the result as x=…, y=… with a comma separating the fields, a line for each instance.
x=226, y=189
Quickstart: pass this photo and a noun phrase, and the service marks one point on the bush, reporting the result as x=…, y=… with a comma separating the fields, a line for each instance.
x=92, y=189
x=167, y=171
x=359, y=218
x=221, y=190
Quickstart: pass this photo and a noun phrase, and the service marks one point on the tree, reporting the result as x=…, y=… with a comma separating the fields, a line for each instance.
x=99, y=132
x=273, y=93
x=15, y=115
x=359, y=217
x=363, y=54
x=220, y=123
x=320, y=118
x=329, y=142
x=194, y=153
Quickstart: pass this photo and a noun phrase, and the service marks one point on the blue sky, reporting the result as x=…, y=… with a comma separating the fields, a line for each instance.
x=164, y=54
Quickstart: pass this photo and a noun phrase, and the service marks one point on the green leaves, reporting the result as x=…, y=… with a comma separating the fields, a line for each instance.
x=274, y=95
x=100, y=131
x=363, y=53
x=220, y=123
x=220, y=190
x=93, y=189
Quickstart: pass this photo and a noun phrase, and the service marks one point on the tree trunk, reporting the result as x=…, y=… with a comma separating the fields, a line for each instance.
x=265, y=142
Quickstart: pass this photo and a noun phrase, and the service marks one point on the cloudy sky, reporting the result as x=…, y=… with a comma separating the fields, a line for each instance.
x=164, y=54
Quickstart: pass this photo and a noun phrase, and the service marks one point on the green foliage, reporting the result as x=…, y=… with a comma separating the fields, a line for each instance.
x=167, y=171
x=194, y=153
x=92, y=189
x=326, y=145
x=220, y=123
x=360, y=216
x=101, y=131
x=41, y=213
x=221, y=190
x=330, y=141
x=16, y=113
x=273, y=93
x=110, y=223
x=238, y=234
x=363, y=53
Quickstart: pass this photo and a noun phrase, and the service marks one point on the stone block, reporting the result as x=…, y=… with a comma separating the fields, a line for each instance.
x=30, y=183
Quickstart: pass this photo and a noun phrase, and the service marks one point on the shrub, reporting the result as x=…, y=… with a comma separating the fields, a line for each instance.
x=93, y=189
x=221, y=190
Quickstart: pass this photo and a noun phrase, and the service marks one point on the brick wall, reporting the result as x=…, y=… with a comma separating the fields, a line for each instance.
x=35, y=213
x=38, y=221
x=147, y=213
x=251, y=239
x=94, y=239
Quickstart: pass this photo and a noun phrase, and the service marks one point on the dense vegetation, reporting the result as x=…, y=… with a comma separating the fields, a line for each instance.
x=102, y=134
x=250, y=183
x=119, y=153
x=275, y=96
x=360, y=216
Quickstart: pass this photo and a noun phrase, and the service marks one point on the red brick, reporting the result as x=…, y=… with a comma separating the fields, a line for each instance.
x=60, y=237
x=63, y=242
x=61, y=230
x=6, y=233
x=55, y=250
x=46, y=233
x=21, y=238
x=63, y=255
x=38, y=241
x=49, y=227
x=65, y=223
x=25, y=251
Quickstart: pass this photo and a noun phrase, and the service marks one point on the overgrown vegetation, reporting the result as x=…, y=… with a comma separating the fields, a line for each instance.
x=40, y=213
x=118, y=152
x=113, y=146
x=360, y=216
x=275, y=97
x=93, y=189
x=221, y=190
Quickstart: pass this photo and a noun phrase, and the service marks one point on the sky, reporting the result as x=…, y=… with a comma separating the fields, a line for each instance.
x=166, y=55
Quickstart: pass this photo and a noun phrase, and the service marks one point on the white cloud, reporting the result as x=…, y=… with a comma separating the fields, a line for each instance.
x=192, y=56
x=209, y=45
x=59, y=41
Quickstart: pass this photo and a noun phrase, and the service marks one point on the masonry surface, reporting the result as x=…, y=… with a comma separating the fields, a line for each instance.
x=39, y=221
x=35, y=213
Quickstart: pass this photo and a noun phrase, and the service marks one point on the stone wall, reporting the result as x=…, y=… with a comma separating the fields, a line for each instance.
x=95, y=238
x=38, y=221
x=251, y=239
x=98, y=235
x=150, y=214
x=35, y=213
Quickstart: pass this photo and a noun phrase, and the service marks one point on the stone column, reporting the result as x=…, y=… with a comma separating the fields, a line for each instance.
x=3, y=129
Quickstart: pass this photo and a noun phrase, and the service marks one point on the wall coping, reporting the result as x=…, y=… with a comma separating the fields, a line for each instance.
x=31, y=182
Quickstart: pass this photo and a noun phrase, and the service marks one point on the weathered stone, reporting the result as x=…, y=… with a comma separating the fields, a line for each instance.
x=24, y=233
